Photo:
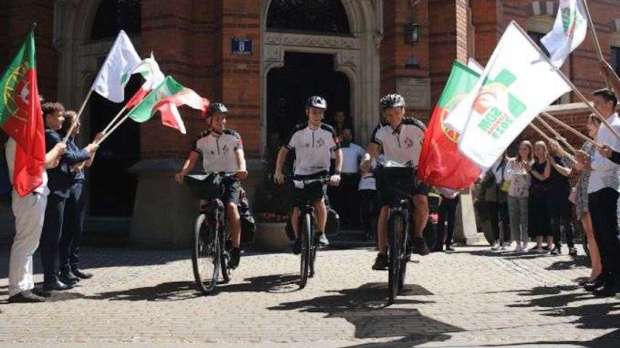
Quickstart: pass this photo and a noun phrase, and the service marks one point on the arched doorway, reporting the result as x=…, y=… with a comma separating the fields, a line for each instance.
x=333, y=44
x=87, y=32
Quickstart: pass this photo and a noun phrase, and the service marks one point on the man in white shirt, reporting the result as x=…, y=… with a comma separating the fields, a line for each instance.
x=313, y=143
x=29, y=213
x=346, y=195
x=221, y=149
x=603, y=197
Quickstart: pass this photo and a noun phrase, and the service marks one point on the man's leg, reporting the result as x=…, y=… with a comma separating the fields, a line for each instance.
x=453, y=203
x=606, y=230
x=234, y=227
x=29, y=212
x=69, y=233
x=50, y=237
x=381, y=261
x=420, y=218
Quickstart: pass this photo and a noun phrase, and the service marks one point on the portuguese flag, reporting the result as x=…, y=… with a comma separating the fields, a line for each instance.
x=22, y=119
x=165, y=99
x=441, y=163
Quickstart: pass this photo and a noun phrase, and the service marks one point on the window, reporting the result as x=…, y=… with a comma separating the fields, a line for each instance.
x=615, y=59
x=114, y=15
x=310, y=16
x=537, y=37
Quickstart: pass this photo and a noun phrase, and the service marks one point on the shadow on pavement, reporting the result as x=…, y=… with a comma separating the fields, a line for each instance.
x=554, y=302
x=172, y=291
x=365, y=308
x=277, y=283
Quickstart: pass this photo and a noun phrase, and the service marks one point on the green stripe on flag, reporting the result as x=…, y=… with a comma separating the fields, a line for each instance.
x=144, y=111
x=462, y=79
x=14, y=74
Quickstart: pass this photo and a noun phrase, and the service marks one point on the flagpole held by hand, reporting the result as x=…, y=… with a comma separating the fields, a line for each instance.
x=77, y=118
x=105, y=130
x=557, y=135
x=107, y=134
x=571, y=129
x=549, y=140
x=593, y=30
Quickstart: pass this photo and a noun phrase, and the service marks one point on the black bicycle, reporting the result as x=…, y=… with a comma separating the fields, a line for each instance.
x=309, y=243
x=211, y=252
x=397, y=183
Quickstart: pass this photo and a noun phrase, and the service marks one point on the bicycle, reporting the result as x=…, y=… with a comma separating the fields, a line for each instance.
x=309, y=244
x=399, y=181
x=211, y=248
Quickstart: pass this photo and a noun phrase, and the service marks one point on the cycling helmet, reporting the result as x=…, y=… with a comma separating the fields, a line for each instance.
x=316, y=102
x=217, y=107
x=392, y=101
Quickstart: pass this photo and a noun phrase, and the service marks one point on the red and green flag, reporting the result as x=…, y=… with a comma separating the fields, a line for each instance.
x=22, y=119
x=165, y=99
x=441, y=163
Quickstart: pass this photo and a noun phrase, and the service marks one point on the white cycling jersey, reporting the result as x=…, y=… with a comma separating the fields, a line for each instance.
x=218, y=150
x=313, y=148
x=402, y=144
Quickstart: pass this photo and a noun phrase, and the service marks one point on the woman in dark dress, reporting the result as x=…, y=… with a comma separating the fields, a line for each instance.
x=539, y=225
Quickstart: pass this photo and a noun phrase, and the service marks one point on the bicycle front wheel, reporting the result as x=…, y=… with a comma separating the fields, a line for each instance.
x=205, y=255
x=306, y=252
x=396, y=239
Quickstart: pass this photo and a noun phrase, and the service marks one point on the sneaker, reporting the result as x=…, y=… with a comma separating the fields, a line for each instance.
x=297, y=246
x=495, y=246
x=556, y=251
x=235, y=257
x=547, y=248
x=419, y=246
x=518, y=248
x=449, y=248
x=321, y=238
x=572, y=251
x=381, y=262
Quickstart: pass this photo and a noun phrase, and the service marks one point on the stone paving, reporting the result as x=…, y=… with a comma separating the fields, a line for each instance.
x=473, y=297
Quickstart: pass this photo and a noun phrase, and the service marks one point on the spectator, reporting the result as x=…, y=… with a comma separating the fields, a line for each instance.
x=538, y=215
x=518, y=194
x=73, y=221
x=29, y=212
x=557, y=201
x=369, y=201
x=346, y=199
x=581, y=201
x=496, y=196
x=60, y=181
x=341, y=122
x=447, y=216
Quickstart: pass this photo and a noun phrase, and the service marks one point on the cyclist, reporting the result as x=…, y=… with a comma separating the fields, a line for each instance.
x=313, y=143
x=399, y=138
x=222, y=152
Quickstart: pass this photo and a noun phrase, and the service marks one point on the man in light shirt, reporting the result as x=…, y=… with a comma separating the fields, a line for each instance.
x=347, y=197
x=603, y=189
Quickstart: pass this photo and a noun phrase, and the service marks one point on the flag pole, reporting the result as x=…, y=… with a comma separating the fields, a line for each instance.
x=569, y=82
x=107, y=134
x=548, y=139
x=597, y=44
x=571, y=129
x=105, y=130
x=557, y=135
x=77, y=118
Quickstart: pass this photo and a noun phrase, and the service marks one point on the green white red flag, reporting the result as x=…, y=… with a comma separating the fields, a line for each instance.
x=165, y=99
x=22, y=119
x=441, y=163
x=517, y=84
x=569, y=31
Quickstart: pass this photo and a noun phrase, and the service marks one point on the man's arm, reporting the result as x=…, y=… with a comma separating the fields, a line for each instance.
x=278, y=176
x=565, y=171
x=52, y=157
x=188, y=166
x=240, y=156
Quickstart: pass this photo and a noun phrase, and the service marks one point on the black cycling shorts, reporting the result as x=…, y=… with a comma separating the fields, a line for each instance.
x=311, y=193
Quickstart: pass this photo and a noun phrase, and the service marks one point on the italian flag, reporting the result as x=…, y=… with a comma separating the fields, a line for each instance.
x=22, y=119
x=165, y=99
x=441, y=163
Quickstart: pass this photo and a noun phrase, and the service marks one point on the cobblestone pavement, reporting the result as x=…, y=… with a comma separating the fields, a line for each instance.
x=472, y=297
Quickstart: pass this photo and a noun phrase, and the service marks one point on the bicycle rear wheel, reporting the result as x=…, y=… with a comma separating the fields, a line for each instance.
x=305, y=235
x=205, y=255
x=396, y=238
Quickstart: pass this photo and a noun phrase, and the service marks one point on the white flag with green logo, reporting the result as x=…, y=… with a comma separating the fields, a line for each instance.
x=517, y=84
x=569, y=31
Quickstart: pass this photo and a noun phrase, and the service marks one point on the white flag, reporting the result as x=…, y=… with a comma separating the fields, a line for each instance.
x=116, y=70
x=517, y=84
x=569, y=31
